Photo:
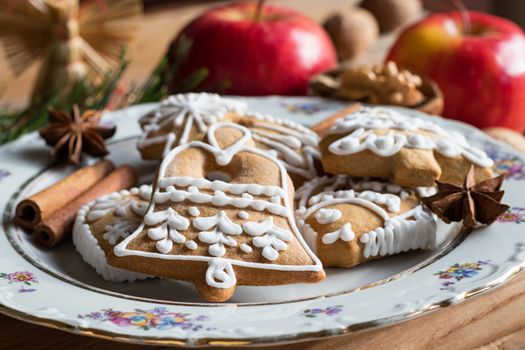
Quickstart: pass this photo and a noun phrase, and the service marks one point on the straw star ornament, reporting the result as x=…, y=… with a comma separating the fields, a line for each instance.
x=72, y=41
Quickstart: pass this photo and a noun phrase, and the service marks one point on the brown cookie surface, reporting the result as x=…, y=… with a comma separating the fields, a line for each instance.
x=186, y=117
x=221, y=216
x=412, y=152
x=348, y=222
x=106, y=221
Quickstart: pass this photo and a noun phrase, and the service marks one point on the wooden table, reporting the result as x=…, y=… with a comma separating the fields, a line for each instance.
x=494, y=320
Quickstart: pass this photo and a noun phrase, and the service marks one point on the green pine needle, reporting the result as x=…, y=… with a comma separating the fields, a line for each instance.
x=96, y=95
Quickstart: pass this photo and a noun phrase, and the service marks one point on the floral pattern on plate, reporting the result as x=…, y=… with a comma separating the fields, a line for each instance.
x=286, y=321
x=306, y=108
x=457, y=272
x=507, y=163
x=157, y=318
x=514, y=214
x=23, y=278
x=3, y=174
x=329, y=311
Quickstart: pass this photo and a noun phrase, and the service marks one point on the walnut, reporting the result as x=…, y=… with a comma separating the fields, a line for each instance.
x=381, y=84
x=352, y=30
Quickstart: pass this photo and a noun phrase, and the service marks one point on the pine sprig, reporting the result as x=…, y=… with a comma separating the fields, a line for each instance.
x=84, y=92
x=106, y=93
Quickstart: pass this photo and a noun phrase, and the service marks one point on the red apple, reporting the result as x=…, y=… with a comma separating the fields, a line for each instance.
x=481, y=71
x=259, y=50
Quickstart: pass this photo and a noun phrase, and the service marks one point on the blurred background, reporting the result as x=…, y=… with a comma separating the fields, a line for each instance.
x=163, y=19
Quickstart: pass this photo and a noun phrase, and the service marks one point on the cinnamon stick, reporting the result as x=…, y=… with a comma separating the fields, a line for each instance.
x=53, y=229
x=323, y=127
x=38, y=207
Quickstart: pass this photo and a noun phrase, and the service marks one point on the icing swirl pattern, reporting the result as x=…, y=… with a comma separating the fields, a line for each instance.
x=172, y=123
x=164, y=225
x=185, y=110
x=127, y=208
x=399, y=131
x=413, y=229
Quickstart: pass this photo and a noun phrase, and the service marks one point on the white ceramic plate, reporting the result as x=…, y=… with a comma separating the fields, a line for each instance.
x=56, y=288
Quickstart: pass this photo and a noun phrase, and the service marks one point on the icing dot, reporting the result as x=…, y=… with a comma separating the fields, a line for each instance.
x=193, y=189
x=327, y=215
x=347, y=144
x=243, y=215
x=416, y=140
x=191, y=245
x=164, y=246
x=384, y=142
x=217, y=250
x=246, y=248
x=393, y=188
x=273, y=153
x=193, y=211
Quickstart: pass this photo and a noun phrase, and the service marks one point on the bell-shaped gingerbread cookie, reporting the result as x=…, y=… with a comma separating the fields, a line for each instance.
x=349, y=222
x=184, y=118
x=221, y=215
x=412, y=152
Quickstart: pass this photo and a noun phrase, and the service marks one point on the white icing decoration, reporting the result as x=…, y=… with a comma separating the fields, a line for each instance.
x=194, y=109
x=269, y=236
x=217, y=185
x=336, y=187
x=400, y=235
x=223, y=227
x=310, y=235
x=359, y=128
x=391, y=201
x=145, y=192
x=246, y=248
x=414, y=229
x=223, y=156
x=194, y=211
x=219, y=188
x=120, y=202
x=168, y=232
x=219, y=199
x=344, y=233
x=191, y=244
x=326, y=216
x=119, y=229
x=292, y=143
x=426, y=191
x=241, y=196
x=220, y=274
x=88, y=247
x=243, y=215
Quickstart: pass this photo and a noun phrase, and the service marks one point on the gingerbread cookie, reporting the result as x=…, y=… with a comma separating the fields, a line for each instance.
x=180, y=119
x=220, y=216
x=412, y=152
x=347, y=222
x=106, y=221
x=186, y=117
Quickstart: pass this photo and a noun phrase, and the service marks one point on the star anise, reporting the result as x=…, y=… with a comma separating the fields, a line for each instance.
x=473, y=203
x=73, y=133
